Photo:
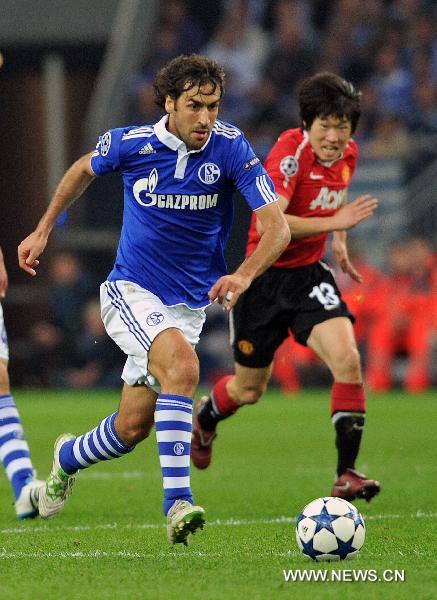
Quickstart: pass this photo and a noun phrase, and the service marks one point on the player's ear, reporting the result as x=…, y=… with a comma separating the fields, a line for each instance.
x=169, y=104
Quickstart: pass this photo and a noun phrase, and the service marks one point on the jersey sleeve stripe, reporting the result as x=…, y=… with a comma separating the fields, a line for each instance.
x=129, y=136
x=226, y=135
x=264, y=189
x=228, y=132
x=139, y=129
x=300, y=148
x=228, y=128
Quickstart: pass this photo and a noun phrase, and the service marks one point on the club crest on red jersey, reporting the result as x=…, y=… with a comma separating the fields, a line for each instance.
x=346, y=174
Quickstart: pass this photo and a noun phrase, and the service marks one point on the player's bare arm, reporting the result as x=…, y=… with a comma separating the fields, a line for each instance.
x=339, y=246
x=275, y=238
x=340, y=252
x=72, y=185
x=3, y=276
x=348, y=216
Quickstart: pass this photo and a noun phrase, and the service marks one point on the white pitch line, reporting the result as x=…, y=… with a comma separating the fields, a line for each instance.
x=102, y=475
x=217, y=523
x=96, y=554
x=171, y=554
x=105, y=476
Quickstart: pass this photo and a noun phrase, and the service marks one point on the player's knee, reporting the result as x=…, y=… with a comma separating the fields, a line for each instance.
x=348, y=364
x=183, y=376
x=132, y=431
x=4, y=377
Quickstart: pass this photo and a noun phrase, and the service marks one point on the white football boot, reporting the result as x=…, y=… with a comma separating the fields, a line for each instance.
x=182, y=519
x=57, y=488
x=26, y=505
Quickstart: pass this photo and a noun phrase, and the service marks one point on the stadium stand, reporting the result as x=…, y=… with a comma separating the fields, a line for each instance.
x=266, y=48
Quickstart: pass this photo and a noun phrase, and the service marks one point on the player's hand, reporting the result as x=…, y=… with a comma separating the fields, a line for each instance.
x=3, y=279
x=340, y=253
x=228, y=289
x=29, y=250
x=354, y=212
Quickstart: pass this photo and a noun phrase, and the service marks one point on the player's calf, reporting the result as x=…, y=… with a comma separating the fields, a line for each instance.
x=209, y=411
x=201, y=439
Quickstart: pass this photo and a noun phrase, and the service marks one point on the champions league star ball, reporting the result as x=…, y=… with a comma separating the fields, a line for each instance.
x=330, y=529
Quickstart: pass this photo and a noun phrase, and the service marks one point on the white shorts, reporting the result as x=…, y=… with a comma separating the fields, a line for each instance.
x=133, y=317
x=4, y=348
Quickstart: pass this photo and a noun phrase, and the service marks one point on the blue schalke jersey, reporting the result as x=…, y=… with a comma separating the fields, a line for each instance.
x=178, y=205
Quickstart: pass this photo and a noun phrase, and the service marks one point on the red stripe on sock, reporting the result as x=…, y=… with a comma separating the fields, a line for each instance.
x=222, y=400
x=347, y=397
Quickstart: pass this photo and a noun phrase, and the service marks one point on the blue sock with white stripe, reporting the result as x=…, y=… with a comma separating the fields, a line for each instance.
x=101, y=443
x=14, y=451
x=173, y=421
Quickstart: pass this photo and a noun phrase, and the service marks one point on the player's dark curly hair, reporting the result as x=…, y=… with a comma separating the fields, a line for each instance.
x=326, y=94
x=185, y=72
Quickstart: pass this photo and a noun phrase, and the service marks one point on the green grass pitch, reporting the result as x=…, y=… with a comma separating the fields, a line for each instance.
x=269, y=461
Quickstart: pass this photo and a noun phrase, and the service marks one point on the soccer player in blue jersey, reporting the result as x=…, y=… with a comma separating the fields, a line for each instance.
x=14, y=451
x=179, y=177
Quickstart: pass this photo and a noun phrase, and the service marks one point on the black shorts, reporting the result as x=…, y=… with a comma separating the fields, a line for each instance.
x=278, y=301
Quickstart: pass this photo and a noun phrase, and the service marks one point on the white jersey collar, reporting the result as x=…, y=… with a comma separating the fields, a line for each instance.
x=172, y=141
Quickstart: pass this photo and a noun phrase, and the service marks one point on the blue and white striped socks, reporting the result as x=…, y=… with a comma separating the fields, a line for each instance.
x=173, y=419
x=101, y=443
x=14, y=451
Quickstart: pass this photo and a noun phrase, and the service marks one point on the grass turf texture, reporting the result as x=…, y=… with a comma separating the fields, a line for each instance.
x=269, y=461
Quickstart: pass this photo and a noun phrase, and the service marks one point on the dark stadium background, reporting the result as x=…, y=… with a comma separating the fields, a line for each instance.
x=70, y=70
x=71, y=73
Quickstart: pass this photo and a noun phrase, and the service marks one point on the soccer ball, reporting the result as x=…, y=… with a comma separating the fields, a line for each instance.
x=330, y=529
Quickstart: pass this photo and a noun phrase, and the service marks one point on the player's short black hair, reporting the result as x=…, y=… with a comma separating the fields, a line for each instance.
x=326, y=94
x=185, y=72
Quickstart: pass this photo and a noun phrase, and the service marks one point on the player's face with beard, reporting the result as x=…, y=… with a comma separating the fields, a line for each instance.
x=329, y=137
x=193, y=114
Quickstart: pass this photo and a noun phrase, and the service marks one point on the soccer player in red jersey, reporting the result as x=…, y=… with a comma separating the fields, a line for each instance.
x=311, y=168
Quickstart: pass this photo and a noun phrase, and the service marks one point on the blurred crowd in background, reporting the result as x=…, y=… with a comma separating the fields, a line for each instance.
x=389, y=50
x=396, y=325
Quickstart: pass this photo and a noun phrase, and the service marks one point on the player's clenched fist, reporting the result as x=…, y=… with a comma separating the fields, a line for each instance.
x=29, y=250
x=228, y=289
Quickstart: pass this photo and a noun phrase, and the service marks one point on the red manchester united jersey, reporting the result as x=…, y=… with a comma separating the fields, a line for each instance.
x=313, y=189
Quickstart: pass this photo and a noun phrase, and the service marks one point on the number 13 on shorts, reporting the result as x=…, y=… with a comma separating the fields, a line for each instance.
x=325, y=294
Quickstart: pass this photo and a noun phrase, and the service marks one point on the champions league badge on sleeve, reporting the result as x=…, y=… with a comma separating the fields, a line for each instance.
x=288, y=166
x=105, y=143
